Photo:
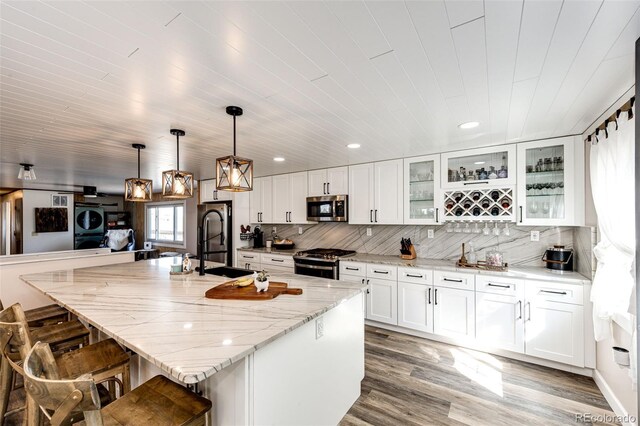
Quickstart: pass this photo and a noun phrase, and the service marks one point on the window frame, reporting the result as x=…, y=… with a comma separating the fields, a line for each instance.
x=167, y=243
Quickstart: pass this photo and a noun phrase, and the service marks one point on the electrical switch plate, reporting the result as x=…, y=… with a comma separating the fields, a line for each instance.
x=535, y=235
x=319, y=327
x=274, y=229
x=368, y=232
x=429, y=233
x=299, y=230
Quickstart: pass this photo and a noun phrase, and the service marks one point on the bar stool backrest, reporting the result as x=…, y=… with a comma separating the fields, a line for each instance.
x=62, y=401
x=14, y=335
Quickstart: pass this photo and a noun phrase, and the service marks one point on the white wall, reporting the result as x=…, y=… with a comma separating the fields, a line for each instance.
x=47, y=241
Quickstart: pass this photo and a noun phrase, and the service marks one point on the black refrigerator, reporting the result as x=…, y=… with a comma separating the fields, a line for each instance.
x=215, y=238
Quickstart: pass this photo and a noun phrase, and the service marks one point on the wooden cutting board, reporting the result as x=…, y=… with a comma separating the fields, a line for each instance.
x=230, y=291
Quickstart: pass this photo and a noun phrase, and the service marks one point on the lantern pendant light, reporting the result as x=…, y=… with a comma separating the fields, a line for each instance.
x=234, y=173
x=137, y=189
x=177, y=183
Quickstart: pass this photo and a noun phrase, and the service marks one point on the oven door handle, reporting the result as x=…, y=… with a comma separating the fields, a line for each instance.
x=304, y=265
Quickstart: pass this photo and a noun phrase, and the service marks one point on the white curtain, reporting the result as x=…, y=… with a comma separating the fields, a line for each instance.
x=613, y=188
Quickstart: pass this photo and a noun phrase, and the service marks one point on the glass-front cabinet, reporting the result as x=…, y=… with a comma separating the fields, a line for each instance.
x=422, y=199
x=548, y=191
x=483, y=167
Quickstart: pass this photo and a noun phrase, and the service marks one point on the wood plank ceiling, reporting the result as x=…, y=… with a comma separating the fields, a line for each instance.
x=81, y=81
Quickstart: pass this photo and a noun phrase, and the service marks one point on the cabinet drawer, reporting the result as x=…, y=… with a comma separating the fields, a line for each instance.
x=248, y=256
x=276, y=269
x=353, y=268
x=499, y=285
x=458, y=280
x=253, y=266
x=382, y=272
x=417, y=276
x=276, y=260
x=554, y=292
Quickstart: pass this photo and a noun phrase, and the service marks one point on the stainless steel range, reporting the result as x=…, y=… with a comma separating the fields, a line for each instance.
x=320, y=262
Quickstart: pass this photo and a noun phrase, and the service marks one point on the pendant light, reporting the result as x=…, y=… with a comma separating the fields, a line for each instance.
x=177, y=183
x=234, y=173
x=137, y=189
x=26, y=172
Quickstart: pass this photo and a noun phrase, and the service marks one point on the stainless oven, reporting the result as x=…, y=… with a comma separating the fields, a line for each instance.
x=332, y=208
x=319, y=262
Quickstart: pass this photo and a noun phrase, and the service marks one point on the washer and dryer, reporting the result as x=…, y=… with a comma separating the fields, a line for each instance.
x=89, y=227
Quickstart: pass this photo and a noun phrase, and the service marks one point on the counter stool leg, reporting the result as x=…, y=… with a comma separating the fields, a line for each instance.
x=126, y=379
x=6, y=379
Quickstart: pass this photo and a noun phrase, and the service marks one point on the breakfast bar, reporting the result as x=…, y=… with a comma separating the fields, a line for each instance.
x=259, y=362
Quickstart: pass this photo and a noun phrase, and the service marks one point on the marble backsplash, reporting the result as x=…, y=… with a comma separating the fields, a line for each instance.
x=585, y=239
x=385, y=240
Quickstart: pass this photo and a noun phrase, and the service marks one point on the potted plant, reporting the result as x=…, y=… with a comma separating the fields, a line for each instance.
x=262, y=281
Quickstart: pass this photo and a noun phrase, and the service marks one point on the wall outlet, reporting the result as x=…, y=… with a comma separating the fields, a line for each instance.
x=535, y=235
x=430, y=233
x=274, y=229
x=299, y=230
x=319, y=327
x=368, y=232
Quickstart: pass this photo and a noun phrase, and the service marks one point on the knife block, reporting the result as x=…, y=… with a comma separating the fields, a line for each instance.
x=409, y=256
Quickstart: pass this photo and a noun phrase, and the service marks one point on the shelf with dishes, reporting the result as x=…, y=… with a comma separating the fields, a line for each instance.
x=487, y=204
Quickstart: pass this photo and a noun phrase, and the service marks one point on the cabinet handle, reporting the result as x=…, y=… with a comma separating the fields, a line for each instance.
x=371, y=216
x=368, y=287
x=324, y=188
x=437, y=214
x=260, y=217
x=415, y=276
x=450, y=280
x=498, y=285
x=349, y=268
x=519, y=304
x=520, y=214
x=328, y=188
x=363, y=281
x=528, y=305
x=435, y=296
x=247, y=257
x=375, y=215
x=429, y=295
x=475, y=183
x=277, y=260
x=381, y=272
x=562, y=293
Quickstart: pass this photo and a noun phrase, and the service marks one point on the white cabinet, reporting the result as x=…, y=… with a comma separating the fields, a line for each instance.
x=422, y=198
x=554, y=328
x=415, y=306
x=290, y=198
x=499, y=321
x=382, y=300
x=375, y=193
x=248, y=260
x=333, y=181
x=261, y=200
x=551, y=182
x=482, y=167
x=453, y=312
x=209, y=192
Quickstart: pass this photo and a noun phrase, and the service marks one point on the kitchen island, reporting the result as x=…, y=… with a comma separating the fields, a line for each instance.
x=290, y=360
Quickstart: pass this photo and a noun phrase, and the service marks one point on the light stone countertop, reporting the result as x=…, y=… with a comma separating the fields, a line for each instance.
x=523, y=272
x=169, y=322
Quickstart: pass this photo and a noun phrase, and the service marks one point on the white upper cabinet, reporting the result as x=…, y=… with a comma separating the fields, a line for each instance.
x=261, y=203
x=551, y=182
x=482, y=167
x=209, y=192
x=422, y=199
x=290, y=198
x=375, y=193
x=333, y=181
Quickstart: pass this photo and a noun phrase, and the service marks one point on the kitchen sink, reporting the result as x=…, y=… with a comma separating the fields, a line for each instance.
x=228, y=271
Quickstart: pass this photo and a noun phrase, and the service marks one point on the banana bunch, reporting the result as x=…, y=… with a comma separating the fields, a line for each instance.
x=244, y=282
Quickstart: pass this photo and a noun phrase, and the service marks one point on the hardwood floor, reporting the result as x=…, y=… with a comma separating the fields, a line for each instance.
x=414, y=381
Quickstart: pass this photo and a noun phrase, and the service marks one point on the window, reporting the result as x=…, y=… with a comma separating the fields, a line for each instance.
x=165, y=223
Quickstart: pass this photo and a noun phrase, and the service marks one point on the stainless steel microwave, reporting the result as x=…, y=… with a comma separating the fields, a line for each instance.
x=332, y=208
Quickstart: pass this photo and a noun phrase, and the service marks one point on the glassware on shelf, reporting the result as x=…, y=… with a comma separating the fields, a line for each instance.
x=496, y=230
x=476, y=228
x=492, y=173
x=449, y=227
x=466, y=229
x=546, y=207
x=457, y=228
x=506, y=231
x=533, y=207
x=486, y=230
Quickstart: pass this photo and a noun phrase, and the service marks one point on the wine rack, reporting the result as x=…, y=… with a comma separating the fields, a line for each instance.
x=480, y=205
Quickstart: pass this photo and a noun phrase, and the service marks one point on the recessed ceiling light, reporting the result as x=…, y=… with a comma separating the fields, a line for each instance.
x=353, y=145
x=477, y=163
x=279, y=159
x=469, y=125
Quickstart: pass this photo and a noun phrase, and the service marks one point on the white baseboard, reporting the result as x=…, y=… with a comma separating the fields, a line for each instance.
x=611, y=398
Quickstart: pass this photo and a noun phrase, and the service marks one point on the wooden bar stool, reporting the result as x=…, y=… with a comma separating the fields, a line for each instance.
x=46, y=315
x=104, y=360
x=158, y=402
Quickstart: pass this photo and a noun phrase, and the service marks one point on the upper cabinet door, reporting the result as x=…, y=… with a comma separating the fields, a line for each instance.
x=361, y=204
x=255, y=201
x=266, y=214
x=422, y=199
x=298, y=197
x=482, y=168
x=207, y=190
x=551, y=182
x=338, y=181
x=281, y=198
x=318, y=183
x=388, y=192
